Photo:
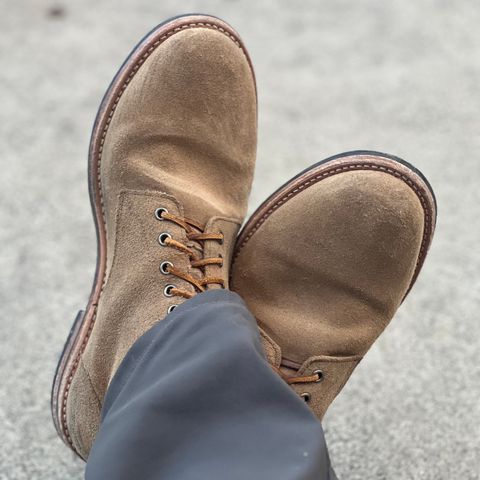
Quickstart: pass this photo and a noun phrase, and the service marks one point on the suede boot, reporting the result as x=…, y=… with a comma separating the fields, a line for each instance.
x=170, y=167
x=326, y=261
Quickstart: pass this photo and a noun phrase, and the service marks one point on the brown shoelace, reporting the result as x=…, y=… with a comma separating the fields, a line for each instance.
x=197, y=235
x=316, y=377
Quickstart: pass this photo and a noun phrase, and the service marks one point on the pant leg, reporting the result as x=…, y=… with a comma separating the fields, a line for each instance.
x=195, y=399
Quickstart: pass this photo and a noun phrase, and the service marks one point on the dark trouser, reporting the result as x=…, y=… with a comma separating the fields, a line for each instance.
x=195, y=399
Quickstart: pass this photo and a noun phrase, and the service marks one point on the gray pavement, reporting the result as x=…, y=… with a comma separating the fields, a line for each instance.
x=400, y=77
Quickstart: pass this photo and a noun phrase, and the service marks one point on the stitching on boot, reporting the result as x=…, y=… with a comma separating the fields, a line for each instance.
x=73, y=436
x=276, y=358
x=87, y=373
x=335, y=170
x=333, y=359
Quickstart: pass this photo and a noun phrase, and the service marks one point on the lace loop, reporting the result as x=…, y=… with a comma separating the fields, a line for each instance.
x=207, y=261
x=304, y=379
x=315, y=377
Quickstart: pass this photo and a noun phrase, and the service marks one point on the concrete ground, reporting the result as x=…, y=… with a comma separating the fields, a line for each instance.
x=399, y=77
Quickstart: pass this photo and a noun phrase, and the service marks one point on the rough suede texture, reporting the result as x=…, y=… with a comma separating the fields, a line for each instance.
x=326, y=271
x=183, y=137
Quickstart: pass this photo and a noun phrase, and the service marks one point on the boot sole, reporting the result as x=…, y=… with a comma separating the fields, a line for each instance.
x=82, y=327
x=344, y=162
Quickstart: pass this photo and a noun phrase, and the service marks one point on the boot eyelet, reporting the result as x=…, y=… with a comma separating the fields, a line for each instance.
x=159, y=212
x=162, y=238
x=167, y=291
x=165, y=266
x=171, y=308
x=320, y=376
x=221, y=241
x=306, y=396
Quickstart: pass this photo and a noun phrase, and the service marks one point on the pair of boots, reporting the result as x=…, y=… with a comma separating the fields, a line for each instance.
x=323, y=264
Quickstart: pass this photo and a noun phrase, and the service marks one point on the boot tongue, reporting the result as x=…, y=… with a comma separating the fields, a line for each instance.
x=229, y=229
x=201, y=204
x=201, y=190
